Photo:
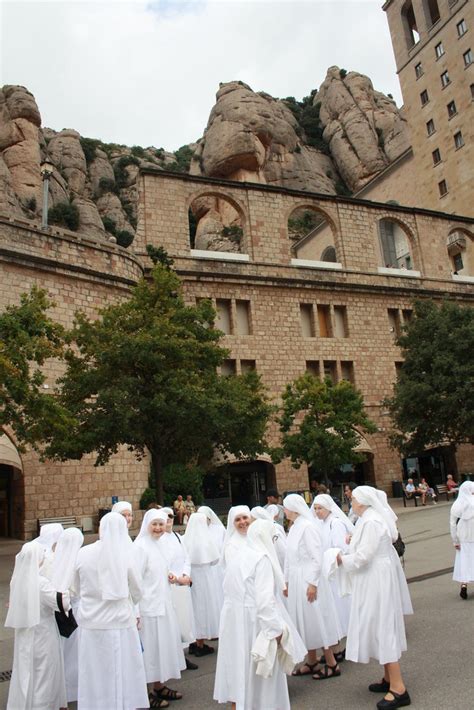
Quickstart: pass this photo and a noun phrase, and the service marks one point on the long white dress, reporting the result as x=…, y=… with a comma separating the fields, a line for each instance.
x=111, y=670
x=316, y=622
x=178, y=563
x=160, y=635
x=376, y=625
x=334, y=533
x=37, y=681
x=462, y=533
x=207, y=596
x=250, y=606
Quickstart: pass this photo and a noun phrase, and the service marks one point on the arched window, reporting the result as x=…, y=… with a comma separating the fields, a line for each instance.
x=215, y=225
x=329, y=254
x=394, y=246
x=311, y=235
x=409, y=24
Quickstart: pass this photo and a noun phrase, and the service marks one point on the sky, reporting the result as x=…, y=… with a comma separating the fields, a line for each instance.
x=146, y=73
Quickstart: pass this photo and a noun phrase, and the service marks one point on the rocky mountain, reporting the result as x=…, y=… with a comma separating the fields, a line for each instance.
x=333, y=141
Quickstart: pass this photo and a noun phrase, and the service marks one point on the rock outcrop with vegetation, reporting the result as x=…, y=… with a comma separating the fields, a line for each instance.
x=333, y=141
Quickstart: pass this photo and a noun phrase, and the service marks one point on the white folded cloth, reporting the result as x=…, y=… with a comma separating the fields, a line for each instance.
x=331, y=570
x=266, y=652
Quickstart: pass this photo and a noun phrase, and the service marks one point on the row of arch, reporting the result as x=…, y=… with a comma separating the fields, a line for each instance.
x=218, y=223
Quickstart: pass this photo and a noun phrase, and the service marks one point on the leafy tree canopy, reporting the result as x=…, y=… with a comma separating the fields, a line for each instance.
x=28, y=337
x=434, y=396
x=319, y=423
x=144, y=374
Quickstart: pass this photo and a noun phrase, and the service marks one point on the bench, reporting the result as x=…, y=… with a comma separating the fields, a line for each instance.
x=410, y=496
x=68, y=521
x=443, y=490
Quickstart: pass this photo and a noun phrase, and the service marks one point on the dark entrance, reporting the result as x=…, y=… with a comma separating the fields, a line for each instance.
x=11, y=502
x=239, y=483
x=433, y=465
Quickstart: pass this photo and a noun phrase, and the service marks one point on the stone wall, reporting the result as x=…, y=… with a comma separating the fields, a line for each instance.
x=79, y=274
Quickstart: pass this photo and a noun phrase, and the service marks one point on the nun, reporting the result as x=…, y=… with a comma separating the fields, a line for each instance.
x=336, y=530
x=160, y=635
x=111, y=670
x=376, y=625
x=216, y=526
x=462, y=533
x=278, y=533
x=206, y=591
x=62, y=575
x=238, y=521
x=253, y=629
x=48, y=538
x=124, y=508
x=38, y=671
x=310, y=602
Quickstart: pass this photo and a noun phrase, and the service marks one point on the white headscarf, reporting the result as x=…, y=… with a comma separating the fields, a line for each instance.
x=49, y=535
x=231, y=530
x=211, y=516
x=296, y=504
x=273, y=509
x=260, y=513
x=121, y=506
x=366, y=495
x=168, y=510
x=149, y=517
x=198, y=541
x=463, y=506
x=64, y=562
x=260, y=539
x=24, y=608
x=114, y=557
x=325, y=501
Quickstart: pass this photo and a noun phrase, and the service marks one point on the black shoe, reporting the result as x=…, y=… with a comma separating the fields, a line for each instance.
x=203, y=650
x=190, y=666
x=192, y=649
x=399, y=701
x=382, y=687
x=463, y=592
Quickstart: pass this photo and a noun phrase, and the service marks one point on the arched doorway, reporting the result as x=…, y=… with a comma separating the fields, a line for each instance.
x=12, y=491
x=239, y=483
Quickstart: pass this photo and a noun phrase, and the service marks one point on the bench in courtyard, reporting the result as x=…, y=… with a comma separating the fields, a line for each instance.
x=67, y=521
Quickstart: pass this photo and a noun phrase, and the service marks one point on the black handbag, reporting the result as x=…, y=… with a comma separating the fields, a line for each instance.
x=399, y=545
x=65, y=621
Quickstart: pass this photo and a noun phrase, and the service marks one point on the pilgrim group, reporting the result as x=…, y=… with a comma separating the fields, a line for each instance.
x=280, y=604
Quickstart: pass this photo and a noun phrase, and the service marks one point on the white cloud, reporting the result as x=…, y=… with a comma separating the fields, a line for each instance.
x=146, y=73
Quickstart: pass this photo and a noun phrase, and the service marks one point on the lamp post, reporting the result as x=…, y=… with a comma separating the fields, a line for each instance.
x=47, y=169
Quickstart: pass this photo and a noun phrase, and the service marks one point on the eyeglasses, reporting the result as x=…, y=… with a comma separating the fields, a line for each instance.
x=170, y=516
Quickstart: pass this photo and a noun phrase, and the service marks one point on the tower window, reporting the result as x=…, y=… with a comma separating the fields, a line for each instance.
x=436, y=156
x=424, y=98
x=243, y=322
x=433, y=11
x=472, y=91
x=307, y=320
x=224, y=318
x=340, y=322
x=330, y=370
x=347, y=371
x=409, y=22
x=439, y=50
x=324, y=321
x=452, y=110
x=468, y=58
x=418, y=70
x=430, y=127
x=458, y=140
x=445, y=80
x=461, y=27
x=443, y=188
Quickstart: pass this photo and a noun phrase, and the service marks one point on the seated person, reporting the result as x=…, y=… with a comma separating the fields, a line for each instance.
x=451, y=485
x=411, y=490
x=425, y=490
x=179, y=508
x=190, y=508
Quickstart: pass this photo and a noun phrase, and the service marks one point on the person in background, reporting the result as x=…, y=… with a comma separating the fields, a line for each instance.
x=348, y=488
x=461, y=523
x=451, y=485
x=189, y=507
x=179, y=508
x=411, y=490
x=273, y=498
x=425, y=490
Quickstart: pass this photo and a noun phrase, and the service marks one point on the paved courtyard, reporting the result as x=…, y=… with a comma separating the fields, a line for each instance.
x=439, y=664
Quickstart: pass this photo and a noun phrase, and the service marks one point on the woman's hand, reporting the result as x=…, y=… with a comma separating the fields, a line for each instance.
x=184, y=580
x=285, y=591
x=339, y=559
x=311, y=593
x=172, y=579
x=457, y=546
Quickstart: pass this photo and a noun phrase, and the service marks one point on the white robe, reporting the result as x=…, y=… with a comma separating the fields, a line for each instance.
x=207, y=596
x=376, y=625
x=178, y=562
x=160, y=634
x=334, y=533
x=111, y=670
x=462, y=533
x=250, y=606
x=37, y=681
x=316, y=622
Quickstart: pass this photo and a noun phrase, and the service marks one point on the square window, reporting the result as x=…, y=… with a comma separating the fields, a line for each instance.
x=224, y=317
x=242, y=317
x=445, y=80
x=247, y=366
x=436, y=156
x=340, y=322
x=468, y=58
x=461, y=28
x=347, y=371
x=418, y=70
x=330, y=370
x=228, y=368
x=424, y=98
x=324, y=321
x=458, y=140
x=439, y=50
x=430, y=127
x=452, y=110
x=312, y=367
x=394, y=321
x=307, y=320
x=443, y=188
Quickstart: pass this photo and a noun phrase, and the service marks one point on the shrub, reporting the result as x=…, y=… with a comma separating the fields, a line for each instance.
x=120, y=172
x=124, y=238
x=30, y=204
x=148, y=496
x=109, y=225
x=298, y=149
x=390, y=96
x=65, y=214
x=182, y=480
x=106, y=185
x=182, y=161
x=343, y=73
x=342, y=189
x=233, y=233
x=128, y=209
x=138, y=151
x=89, y=148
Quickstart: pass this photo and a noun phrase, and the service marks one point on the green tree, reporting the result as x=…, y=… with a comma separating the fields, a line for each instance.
x=144, y=374
x=433, y=399
x=320, y=422
x=28, y=338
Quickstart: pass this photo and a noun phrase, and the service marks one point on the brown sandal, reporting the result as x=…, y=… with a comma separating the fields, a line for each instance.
x=166, y=693
x=311, y=667
x=156, y=702
x=324, y=673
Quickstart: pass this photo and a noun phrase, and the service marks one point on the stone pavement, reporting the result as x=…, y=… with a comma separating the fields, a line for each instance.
x=438, y=666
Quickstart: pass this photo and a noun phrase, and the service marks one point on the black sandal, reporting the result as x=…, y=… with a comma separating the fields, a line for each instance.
x=311, y=667
x=324, y=673
x=156, y=702
x=166, y=693
x=340, y=656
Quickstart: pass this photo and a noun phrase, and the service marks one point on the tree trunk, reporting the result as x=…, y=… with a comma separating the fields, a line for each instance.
x=157, y=469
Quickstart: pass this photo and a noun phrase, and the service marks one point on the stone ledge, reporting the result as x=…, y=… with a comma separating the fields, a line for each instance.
x=219, y=255
x=312, y=264
x=388, y=271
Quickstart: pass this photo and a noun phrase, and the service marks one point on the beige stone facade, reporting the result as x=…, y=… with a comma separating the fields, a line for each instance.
x=434, y=53
x=337, y=318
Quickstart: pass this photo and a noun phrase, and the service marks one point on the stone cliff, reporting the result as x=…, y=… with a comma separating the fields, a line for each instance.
x=333, y=141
